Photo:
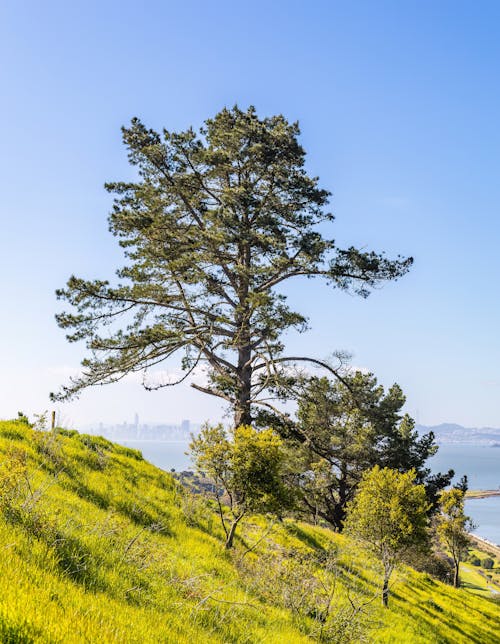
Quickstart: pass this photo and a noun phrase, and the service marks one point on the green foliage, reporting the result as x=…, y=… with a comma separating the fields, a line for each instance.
x=436, y=564
x=22, y=418
x=487, y=563
x=213, y=225
x=345, y=428
x=389, y=516
x=13, y=480
x=453, y=526
x=308, y=585
x=86, y=571
x=247, y=470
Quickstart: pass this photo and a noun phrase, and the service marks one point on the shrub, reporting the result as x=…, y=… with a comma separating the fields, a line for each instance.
x=14, y=484
x=306, y=584
x=15, y=430
x=49, y=447
x=23, y=419
x=19, y=500
x=487, y=563
x=70, y=433
x=436, y=565
x=129, y=452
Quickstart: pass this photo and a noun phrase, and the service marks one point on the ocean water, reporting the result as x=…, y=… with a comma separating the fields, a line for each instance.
x=486, y=515
x=480, y=463
x=482, y=466
x=165, y=454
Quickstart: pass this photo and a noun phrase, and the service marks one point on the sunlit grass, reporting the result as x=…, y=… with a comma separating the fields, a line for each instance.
x=97, y=545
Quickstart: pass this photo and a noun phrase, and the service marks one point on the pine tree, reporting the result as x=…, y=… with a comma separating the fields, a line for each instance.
x=214, y=223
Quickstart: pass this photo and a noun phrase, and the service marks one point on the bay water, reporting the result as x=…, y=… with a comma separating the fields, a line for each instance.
x=480, y=463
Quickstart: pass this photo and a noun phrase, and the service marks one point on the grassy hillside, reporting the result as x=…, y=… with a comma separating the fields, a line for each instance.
x=96, y=545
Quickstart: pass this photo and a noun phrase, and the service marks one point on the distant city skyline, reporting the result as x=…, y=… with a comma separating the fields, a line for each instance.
x=144, y=431
x=137, y=421
x=398, y=105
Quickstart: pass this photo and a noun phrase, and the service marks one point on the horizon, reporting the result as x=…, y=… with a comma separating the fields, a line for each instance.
x=398, y=108
x=197, y=422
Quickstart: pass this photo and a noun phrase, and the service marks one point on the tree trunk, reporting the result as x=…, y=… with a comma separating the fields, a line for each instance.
x=385, y=591
x=335, y=511
x=232, y=531
x=339, y=511
x=336, y=516
x=456, y=578
x=242, y=413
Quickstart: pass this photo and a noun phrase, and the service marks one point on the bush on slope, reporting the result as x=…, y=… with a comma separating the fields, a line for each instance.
x=98, y=545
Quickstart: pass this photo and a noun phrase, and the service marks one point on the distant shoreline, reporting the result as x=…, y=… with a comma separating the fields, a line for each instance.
x=153, y=440
x=481, y=494
x=485, y=544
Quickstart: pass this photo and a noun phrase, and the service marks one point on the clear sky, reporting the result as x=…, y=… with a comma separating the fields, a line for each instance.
x=399, y=105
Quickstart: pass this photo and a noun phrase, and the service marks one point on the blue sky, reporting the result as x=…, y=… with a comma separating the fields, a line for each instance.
x=399, y=107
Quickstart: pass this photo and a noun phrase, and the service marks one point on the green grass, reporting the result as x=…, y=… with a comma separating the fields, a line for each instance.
x=97, y=545
x=480, y=580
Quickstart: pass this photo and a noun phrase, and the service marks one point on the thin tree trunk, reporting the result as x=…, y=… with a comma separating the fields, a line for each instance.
x=336, y=516
x=388, y=567
x=232, y=531
x=385, y=591
x=456, y=578
x=339, y=511
x=221, y=513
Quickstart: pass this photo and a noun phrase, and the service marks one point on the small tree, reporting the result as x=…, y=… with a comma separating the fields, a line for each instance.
x=247, y=472
x=389, y=517
x=453, y=526
x=487, y=563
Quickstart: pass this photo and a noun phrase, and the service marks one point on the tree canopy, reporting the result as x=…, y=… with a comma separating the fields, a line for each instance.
x=453, y=527
x=215, y=222
x=389, y=516
x=342, y=429
x=247, y=469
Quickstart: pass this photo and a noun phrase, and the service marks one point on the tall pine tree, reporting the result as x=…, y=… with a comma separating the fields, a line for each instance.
x=214, y=223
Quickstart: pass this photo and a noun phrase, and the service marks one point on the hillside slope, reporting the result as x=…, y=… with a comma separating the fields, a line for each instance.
x=97, y=545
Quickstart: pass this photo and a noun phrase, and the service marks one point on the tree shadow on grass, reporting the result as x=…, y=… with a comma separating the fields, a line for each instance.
x=428, y=615
x=470, y=586
x=304, y=536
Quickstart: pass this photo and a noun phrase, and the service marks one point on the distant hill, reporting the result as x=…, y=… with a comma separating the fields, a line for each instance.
x=453, y=433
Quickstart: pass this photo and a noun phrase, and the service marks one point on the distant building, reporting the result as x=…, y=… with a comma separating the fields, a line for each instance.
x=136, y=431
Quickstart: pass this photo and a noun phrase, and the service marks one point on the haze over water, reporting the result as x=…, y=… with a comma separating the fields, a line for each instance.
x=482, y=466
x=480, y=463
